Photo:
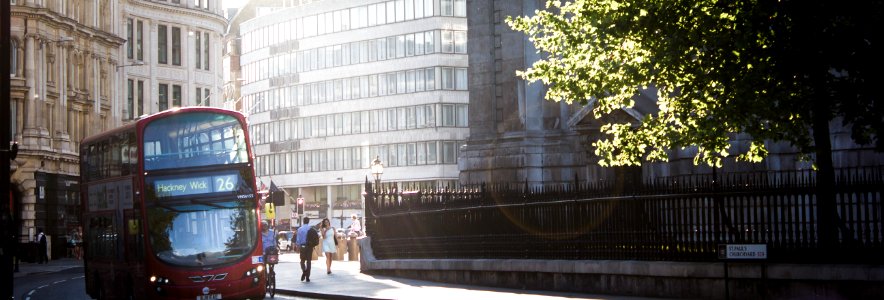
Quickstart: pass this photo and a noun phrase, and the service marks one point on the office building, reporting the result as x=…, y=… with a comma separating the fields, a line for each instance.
x=330, y=86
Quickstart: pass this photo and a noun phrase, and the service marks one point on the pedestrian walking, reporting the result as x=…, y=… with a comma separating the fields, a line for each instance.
x=78, y=243
x=329, y=243
x=42, y=256
x=308, y=238
x=74, y=241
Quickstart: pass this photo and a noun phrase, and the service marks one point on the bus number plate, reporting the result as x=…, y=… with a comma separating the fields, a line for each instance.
x=208, y=297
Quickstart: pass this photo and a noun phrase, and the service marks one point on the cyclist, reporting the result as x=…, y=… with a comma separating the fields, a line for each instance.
x=268, y=236
x=271, y=252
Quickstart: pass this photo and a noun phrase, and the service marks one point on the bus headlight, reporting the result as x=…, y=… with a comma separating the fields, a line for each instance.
x=159, y=280
x=255, y=271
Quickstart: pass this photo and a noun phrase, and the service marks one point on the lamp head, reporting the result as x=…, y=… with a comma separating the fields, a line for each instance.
x=377, y=168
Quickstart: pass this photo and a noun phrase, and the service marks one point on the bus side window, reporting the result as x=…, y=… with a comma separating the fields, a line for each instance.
x=102, y=237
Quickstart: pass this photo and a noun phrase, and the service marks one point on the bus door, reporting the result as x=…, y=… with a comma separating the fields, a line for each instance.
x=133, y=239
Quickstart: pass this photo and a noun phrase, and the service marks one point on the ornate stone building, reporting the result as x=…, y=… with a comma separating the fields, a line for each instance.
x=72, y=76
x=63, y=61
x=173, y=56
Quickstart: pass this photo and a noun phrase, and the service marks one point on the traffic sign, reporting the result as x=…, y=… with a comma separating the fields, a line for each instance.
x=269, y=210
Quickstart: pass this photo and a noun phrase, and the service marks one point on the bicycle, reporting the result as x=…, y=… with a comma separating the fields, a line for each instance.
x=271, y=258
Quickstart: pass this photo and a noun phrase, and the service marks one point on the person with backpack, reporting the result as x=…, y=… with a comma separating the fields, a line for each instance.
x=307, y=239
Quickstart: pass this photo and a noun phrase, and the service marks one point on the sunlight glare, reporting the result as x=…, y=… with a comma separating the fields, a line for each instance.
x=234, y=3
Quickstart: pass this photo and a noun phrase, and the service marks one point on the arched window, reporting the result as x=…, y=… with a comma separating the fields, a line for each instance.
x=13, y=57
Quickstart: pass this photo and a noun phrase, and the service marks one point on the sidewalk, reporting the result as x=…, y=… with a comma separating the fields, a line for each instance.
x=346, y=282
x=55, y=265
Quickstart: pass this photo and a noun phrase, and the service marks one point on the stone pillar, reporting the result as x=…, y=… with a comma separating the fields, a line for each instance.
x=63, y=135
x=31, y=109
x=483, y=48
x=94, y=14
x=96, y=95
x=516, y=136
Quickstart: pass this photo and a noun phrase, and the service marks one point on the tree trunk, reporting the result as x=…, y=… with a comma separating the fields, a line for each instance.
x=827, y=213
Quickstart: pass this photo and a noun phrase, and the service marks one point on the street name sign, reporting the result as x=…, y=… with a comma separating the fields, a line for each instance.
x=742, y=251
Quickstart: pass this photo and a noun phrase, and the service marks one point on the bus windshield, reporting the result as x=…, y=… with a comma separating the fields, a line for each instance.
x=200, y=233
x=194, y=139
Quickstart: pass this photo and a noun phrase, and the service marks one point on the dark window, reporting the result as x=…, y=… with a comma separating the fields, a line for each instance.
x=163, y=97
x=198, y=43
x=130, y=99
x=139, y=104
x=162, y=44
x=130, y=49
x=176, y=46
x=206, y=51
x=139, y=40
x=101, y=237
x=176, y=96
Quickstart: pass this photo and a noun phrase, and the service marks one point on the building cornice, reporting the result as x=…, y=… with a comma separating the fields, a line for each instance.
x=179, y=10
x=58, y=21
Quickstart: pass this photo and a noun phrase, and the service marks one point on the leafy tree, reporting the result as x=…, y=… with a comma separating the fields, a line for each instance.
x=765, y=68
x=775, y=70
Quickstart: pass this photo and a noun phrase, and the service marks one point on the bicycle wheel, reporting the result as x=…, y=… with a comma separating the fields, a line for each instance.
x=271, y=281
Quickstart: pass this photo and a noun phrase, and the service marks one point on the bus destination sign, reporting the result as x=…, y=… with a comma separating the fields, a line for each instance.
x=196, y=185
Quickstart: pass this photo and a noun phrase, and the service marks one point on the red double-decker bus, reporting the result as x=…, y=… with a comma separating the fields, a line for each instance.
x=171, y=208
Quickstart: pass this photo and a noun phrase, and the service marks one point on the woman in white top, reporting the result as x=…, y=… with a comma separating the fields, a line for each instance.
x=328, y=243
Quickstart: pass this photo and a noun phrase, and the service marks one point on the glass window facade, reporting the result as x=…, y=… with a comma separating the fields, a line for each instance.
x=334, y=103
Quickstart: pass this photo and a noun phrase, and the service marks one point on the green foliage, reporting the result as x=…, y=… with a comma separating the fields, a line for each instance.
x=718, y=68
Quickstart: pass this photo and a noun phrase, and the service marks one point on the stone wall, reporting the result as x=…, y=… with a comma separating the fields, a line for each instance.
x=715, y=280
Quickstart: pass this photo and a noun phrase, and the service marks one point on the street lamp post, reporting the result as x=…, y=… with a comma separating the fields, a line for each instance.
x=377, y=168
x=340, y=193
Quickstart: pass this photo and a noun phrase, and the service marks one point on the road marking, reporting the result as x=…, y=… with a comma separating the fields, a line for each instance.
x=47, y=285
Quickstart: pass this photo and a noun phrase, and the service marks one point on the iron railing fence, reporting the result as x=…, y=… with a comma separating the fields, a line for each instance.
x=669, y=219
